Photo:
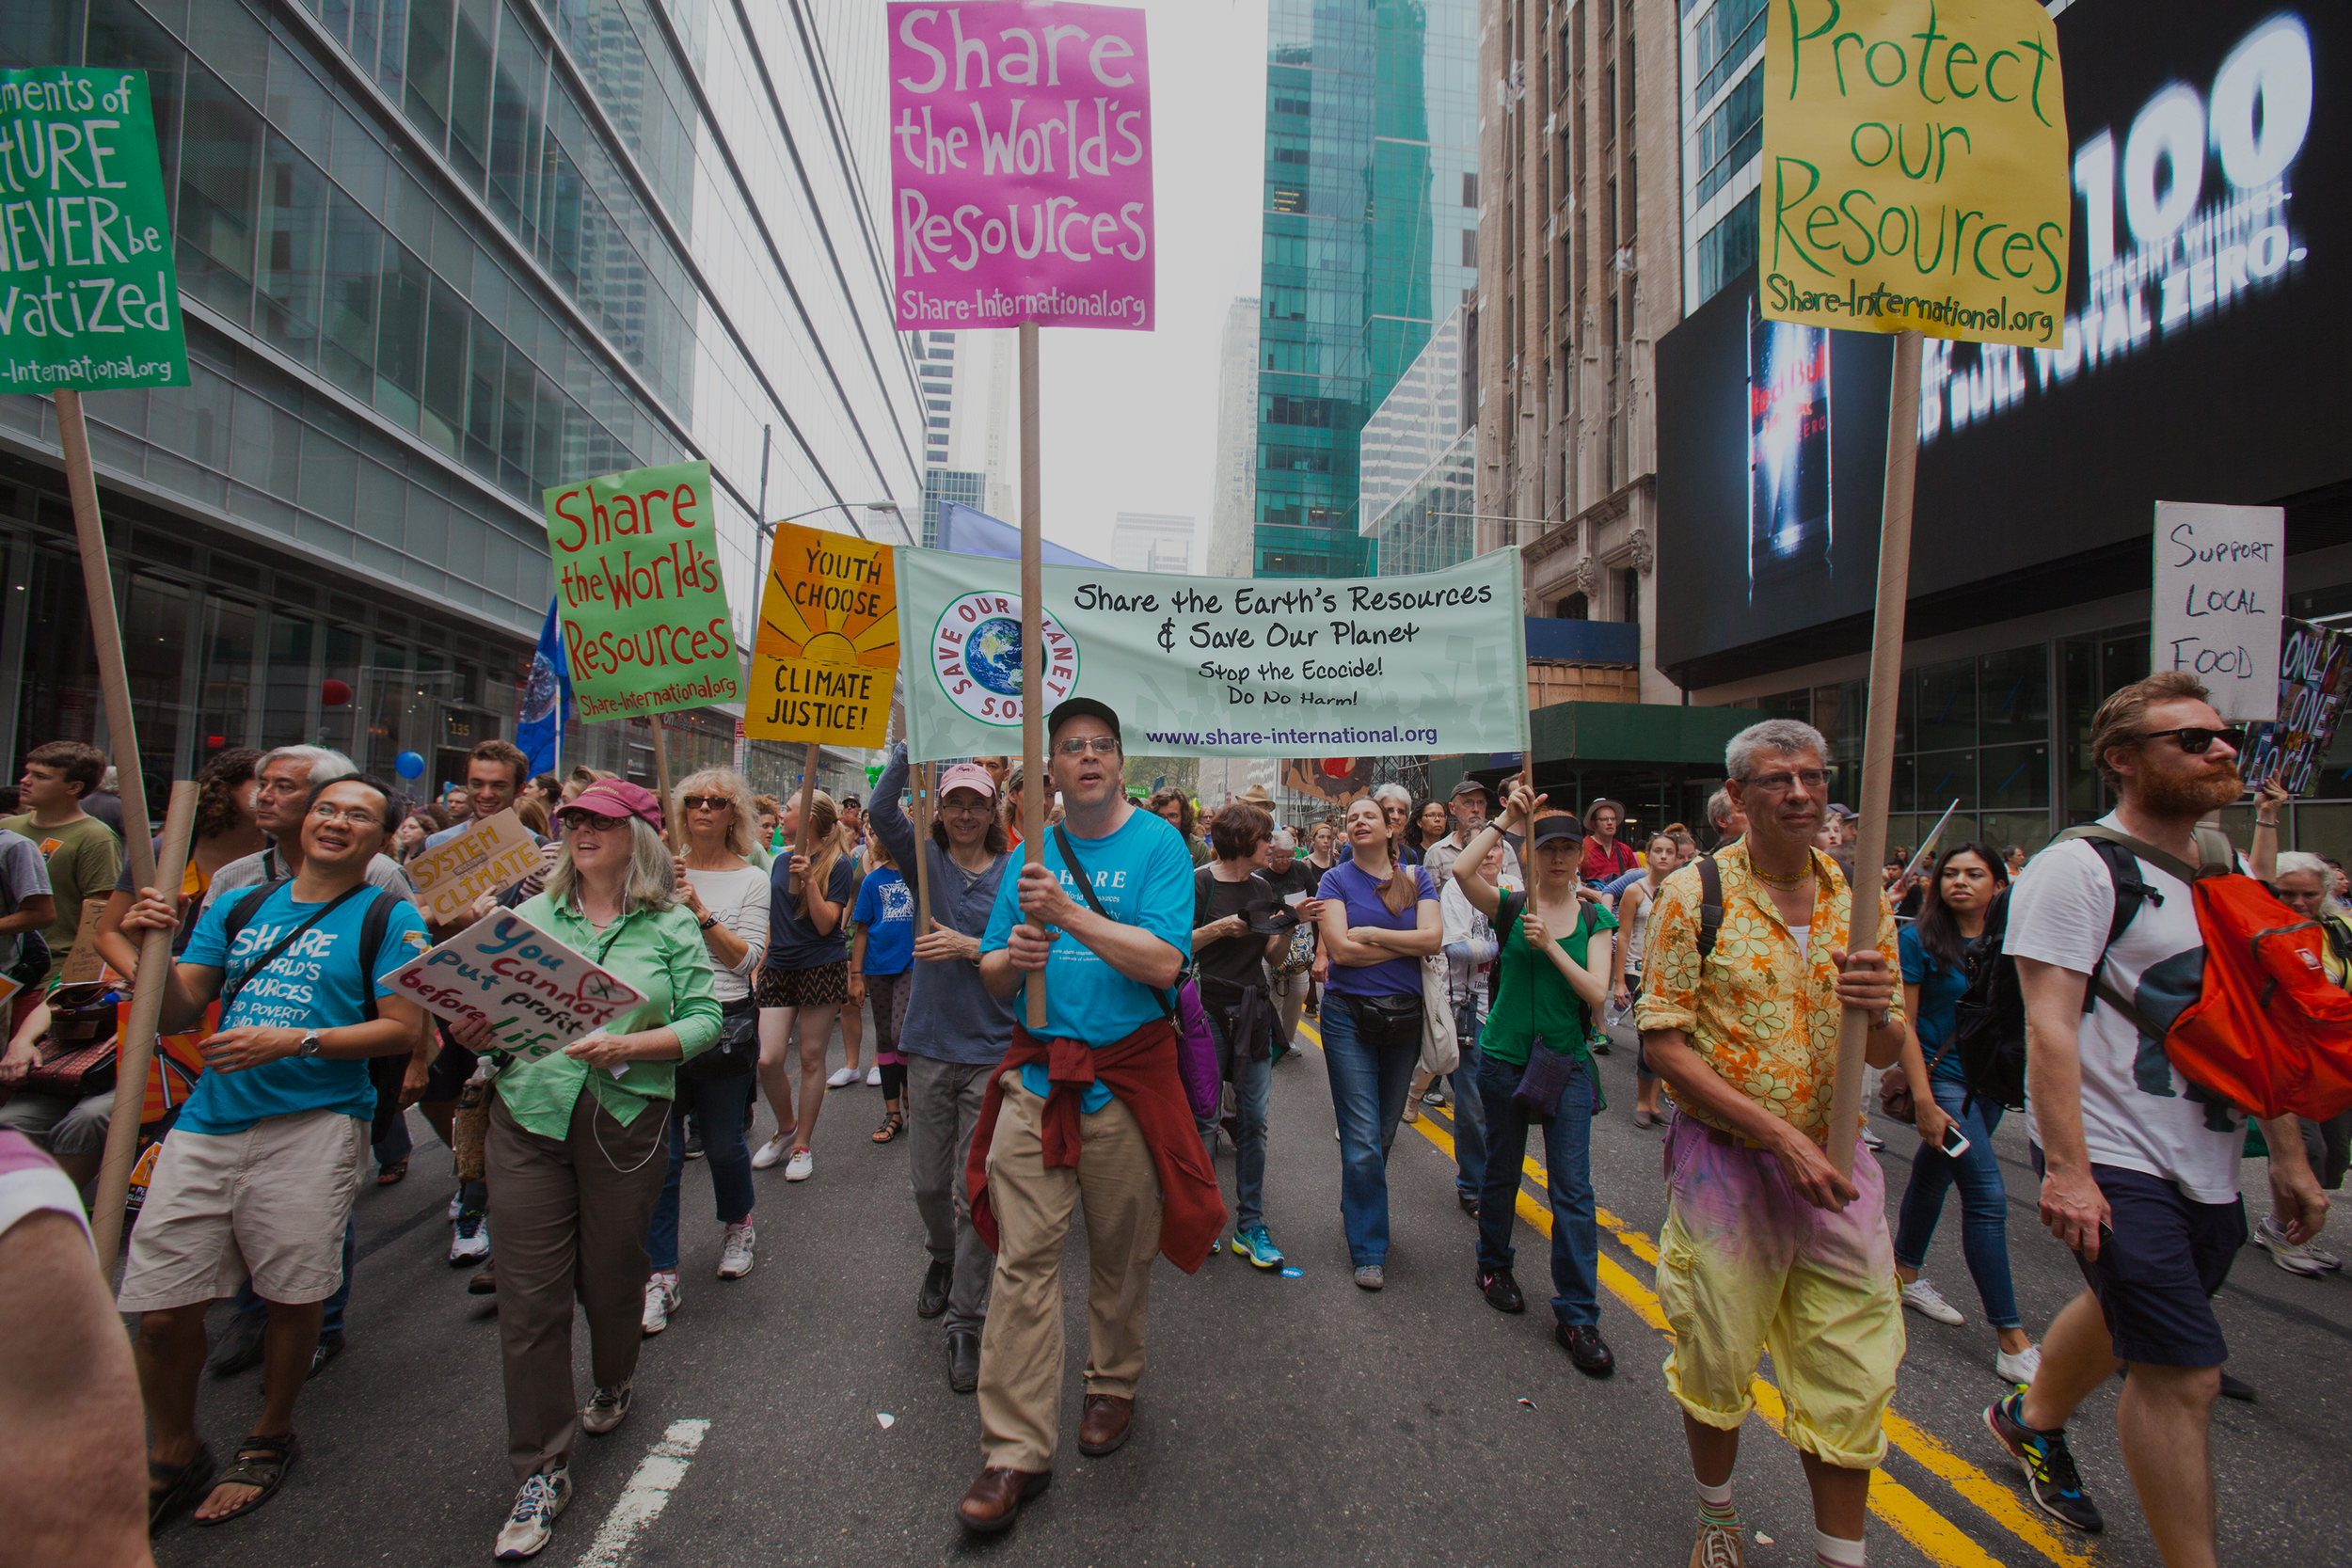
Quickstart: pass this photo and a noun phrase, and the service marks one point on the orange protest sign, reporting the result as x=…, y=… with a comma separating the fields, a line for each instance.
x=827, y=649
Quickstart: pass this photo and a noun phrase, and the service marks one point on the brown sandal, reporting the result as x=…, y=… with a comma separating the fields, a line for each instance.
x=892, y=1125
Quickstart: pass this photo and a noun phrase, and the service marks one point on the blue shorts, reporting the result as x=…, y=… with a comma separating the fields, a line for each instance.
x=2159, y=1266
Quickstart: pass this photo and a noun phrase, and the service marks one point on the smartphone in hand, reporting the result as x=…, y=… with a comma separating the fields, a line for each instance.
x=1954, y=1145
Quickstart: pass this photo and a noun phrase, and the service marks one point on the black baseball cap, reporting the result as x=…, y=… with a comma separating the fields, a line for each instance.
x=1470, y=786
x=1549, y=827
x=1082, y=708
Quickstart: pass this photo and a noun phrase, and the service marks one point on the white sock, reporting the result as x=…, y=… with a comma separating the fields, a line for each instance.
x=1719, y=1495
x=1836, y=1553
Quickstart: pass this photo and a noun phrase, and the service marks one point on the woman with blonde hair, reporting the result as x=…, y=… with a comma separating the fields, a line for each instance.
x=1379, y=919
x=728, y=899
x=804, y=980
x=575, y=1139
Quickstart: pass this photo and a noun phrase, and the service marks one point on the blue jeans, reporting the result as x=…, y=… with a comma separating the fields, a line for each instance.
x=1253, y=1087
x=1983, y=1204
x=1368, y=1089
x=717, y=1103
x=1568, y=1166
x=1469, y=1115
x=331, y=1319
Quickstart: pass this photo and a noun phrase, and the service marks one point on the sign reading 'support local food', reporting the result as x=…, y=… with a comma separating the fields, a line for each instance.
x=1020, y=165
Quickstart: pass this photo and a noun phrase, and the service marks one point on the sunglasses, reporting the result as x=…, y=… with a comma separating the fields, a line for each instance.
x=590, y=819
x=707, y=802
x=1079, y=745
x=2197, y=742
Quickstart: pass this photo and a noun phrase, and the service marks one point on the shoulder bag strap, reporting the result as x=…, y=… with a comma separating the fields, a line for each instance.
x=372, y=928
x=2130, y=892
x=1085, y=887
x=1711, y=904
x=2162, y=860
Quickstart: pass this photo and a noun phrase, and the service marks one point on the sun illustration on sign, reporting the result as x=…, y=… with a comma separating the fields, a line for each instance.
x=826, y=622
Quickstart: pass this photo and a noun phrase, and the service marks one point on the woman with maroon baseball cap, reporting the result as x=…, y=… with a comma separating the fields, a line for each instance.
x=577, y=1135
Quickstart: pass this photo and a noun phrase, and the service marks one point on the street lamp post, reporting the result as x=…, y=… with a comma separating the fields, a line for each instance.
x=847, y=508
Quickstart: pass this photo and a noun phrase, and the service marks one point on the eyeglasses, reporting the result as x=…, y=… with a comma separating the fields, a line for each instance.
x=1780, y=784
x=2197, y=742
x=1079, y=745
x=590, y=819
x=969, y=808
x=351, y=815
x=707, y=802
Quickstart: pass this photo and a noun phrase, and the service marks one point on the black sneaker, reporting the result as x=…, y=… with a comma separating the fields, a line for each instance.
x=2050, y=1473
x=240, y=1348
x=694, y=1138
x=1501, y=1290
x=1586, y=1349
x=329, y=1347
x=1468, y=1202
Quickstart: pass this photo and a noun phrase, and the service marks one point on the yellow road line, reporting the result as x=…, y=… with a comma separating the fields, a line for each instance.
x=1909, y=1514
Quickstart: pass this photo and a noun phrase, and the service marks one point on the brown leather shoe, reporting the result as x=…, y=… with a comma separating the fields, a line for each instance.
x=995, y=1498
x=1103, y=1426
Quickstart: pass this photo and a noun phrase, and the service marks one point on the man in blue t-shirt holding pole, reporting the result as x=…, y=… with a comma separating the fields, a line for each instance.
x=261, y=1168
x=1089, y=1110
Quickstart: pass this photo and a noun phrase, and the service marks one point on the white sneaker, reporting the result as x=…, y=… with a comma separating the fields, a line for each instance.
x=735, y=1249
x=801, y=1167
x=2019, y=1368
x=772, y=1150
x=471, y=1242
x=1924, y=1299
x=873, y=1076
x=607, y=1409
x=531, y=1525
x=843, y=1077
x=662, y=1297
x=456, y=1204
x=2287, y=1255
x=1871, y=1140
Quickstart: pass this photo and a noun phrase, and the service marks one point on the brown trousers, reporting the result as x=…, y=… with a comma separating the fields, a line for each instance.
x=1020, y=1345
x=572, y=1215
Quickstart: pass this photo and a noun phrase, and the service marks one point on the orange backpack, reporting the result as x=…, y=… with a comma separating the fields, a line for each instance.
x=2268, y=1032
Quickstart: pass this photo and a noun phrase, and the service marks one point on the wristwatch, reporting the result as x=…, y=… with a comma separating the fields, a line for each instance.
x=707, y=921
x=310, y=1046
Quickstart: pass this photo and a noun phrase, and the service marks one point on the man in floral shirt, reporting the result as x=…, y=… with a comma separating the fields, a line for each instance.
x=1765, y=1245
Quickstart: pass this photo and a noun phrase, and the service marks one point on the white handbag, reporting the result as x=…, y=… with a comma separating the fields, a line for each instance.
x=1440, y=1048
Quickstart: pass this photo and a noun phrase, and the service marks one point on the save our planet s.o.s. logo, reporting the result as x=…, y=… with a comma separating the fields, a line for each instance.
x=976, y=655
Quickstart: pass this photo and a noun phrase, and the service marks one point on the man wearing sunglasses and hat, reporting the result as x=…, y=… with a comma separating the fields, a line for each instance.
x=1089, y=1110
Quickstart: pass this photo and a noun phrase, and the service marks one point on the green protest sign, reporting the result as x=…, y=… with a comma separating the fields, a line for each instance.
x=645, y=610
x=88, y=301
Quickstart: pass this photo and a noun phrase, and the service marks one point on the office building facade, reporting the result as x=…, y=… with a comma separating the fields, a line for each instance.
x=1151, y=542
x=1418, y=462
x=1369, y=240
x=436, y=256
x=1230, y=518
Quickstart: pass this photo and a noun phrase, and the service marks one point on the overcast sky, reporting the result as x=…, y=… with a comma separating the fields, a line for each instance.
x=1130, y=417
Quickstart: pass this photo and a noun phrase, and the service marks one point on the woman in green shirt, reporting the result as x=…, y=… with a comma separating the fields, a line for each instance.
x=576, y=1140
x=1557, y=958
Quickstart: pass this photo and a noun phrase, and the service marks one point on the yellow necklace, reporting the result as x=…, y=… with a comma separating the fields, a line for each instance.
x=1790, y=881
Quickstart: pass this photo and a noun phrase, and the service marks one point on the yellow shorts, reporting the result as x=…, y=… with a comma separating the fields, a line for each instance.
x=1744, y=1266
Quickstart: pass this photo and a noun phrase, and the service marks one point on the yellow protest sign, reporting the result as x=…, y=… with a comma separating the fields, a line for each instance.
x=827, y=650
x=1915, y=168
x=488, y=856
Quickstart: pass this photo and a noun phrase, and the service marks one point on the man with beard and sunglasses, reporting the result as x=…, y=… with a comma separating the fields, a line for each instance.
x=2139, y=1167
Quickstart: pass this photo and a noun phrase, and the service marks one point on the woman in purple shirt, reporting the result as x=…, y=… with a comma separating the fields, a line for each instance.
x=1378, y=919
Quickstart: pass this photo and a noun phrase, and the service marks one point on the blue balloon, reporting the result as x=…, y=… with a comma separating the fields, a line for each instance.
x=411, y=766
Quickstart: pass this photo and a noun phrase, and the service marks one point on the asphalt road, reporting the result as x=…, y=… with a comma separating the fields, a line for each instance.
x=1282, y=1420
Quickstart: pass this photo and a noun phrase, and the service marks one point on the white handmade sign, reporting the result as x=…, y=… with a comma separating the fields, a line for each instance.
x=491, y=855
x=2221, y=592
x=536, y=994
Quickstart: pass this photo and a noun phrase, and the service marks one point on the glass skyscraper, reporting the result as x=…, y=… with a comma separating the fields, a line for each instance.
x=1369, y=239
x=436, y=255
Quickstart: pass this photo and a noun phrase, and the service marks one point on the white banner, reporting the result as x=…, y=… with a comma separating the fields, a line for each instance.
x=2221, y=595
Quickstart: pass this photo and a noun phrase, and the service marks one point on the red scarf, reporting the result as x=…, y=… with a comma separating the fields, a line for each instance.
x=1140, y=1070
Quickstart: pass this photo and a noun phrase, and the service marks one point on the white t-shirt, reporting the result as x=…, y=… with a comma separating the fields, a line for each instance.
x=2137, y=1112
x=739, y=899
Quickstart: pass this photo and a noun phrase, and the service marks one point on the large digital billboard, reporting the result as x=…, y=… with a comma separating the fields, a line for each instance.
x=2203, y=357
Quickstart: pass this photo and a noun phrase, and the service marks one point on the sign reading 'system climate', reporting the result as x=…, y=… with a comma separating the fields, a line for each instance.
x=1915, y=168
x=88, y=298
x=637, y=583
x=1021, y=166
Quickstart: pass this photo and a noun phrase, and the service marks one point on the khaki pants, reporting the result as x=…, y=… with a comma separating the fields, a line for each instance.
x=1021, y=1347
x=572, y=1215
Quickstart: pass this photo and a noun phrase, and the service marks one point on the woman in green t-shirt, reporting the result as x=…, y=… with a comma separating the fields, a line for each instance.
x=1557, y=958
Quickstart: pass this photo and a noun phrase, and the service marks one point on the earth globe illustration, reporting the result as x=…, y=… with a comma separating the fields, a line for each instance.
x=992, y=655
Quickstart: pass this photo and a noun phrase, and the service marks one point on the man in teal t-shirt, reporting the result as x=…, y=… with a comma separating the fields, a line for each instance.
x=259, y=1173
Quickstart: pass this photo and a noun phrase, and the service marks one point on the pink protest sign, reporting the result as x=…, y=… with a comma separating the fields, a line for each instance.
x=1021, y=165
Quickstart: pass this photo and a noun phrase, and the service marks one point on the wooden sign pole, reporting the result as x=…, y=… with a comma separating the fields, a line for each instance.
x=98, y=585
x=136, y=1049
x=1878, y=735
x=808, y=799
x=673, y=831
x=925, y=807
x=1032, y=645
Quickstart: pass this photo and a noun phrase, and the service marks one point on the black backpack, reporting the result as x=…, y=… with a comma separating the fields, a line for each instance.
x=372, y=928
x=1989, y=1020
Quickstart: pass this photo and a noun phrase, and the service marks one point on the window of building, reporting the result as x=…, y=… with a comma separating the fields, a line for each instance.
x=1575, y=607
x=1727, y=251
x=1729, y=137
x=1629, y=596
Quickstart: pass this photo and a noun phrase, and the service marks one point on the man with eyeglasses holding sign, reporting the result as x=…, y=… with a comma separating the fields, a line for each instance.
x=1765, y=1245
x=260, y=1169
x=2140, y=1168
x=1089, y=1110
